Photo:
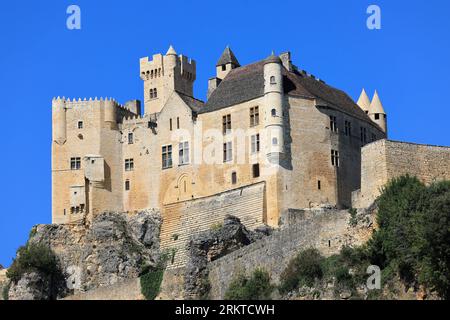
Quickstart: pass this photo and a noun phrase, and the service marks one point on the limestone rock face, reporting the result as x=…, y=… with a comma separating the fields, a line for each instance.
x=32, y=286
x=211, y=245
x=113, y=248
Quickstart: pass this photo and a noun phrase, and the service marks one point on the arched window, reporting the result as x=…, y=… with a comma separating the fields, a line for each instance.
x=274, y=141
x=151, y=75
x=274, y=112
x=151, y=93
x=272, y=80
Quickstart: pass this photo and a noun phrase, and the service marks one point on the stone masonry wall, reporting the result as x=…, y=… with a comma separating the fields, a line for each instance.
x=326, y=230
x=385, y=160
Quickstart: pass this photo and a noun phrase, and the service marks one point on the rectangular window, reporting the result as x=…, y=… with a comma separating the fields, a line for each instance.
x=377, y=116
x=255, y=143
x=178, y=123
x=226, y=123
x=319, y=185
x=348, y=128
x=80, y=124
x=335, y=158
x=130, y=138
x=127, y=185
x=227, y=151
x=183, y=153
x=75, y=163
x=167, y=157
x=333, y=124
x=363, y=135
x=129, y=164
x=254, y=116
x=170, y=124
x=255, y=170
x=234, y=177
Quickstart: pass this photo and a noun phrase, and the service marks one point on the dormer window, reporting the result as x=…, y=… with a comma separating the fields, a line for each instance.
x=272, y=80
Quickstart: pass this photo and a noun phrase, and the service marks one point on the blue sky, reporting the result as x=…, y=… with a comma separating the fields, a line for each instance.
x=407, y=61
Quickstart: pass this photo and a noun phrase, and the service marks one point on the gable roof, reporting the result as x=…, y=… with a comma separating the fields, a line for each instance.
x=247, y=83
x=227, y=57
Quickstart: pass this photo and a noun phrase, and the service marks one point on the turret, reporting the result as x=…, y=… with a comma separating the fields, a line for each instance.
x=363, y=101
x=377, y=113
x=226, y=63
x=273, y=100
x=59, y=120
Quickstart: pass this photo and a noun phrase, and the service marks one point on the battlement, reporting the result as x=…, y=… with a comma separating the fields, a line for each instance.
x=78, y=103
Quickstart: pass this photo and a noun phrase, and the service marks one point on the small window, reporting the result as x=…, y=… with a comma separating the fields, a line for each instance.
x=75, y=163
x=129, y=164
x=155, y=93
x=274, y=112
x=178, y=122
x=377, y=116
x=82, y=206
x=224, y=67
x=183, y=153
x=319, y=185
x=227, y=151
x=335, y=158
x=254, y=116
x=170, y=124
x=130, y=138
x=151, y=90
x=255, y=145
x=255, y=170
x=272, y=80
x=348, y=128
x=226, y=123
x=167, y=157
x=363, y=135
x=127, y=185
x=274, y=141
x=80, y=124
x=234, y=177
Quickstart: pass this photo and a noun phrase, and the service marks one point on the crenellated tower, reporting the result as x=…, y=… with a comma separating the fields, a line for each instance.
x=274, y=117
x=163, y=75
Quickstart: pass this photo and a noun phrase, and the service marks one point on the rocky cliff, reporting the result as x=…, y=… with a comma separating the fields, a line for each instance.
x=115, y=247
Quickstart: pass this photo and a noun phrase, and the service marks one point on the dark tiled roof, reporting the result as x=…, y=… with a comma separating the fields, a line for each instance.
x=247, y=83
x=227, y=57
x=193, y=103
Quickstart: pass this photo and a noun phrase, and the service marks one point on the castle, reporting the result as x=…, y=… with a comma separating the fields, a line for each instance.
x=269, y=137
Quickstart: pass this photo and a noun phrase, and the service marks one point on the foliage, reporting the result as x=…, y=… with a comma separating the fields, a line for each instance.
x=34, y=258
x=304, y=269
x=353, y=217
x=151, y=283
x=257, y=287
x=5, y=291
x=216, y=226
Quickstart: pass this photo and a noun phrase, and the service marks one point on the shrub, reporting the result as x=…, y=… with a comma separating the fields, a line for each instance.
x=304, y=269
x=34, y=258
x=353, y=217
x=151, y=283
x=257, y=287
x=5, y=291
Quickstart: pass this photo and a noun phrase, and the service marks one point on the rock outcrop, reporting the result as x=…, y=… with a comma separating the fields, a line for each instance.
x=211, y=245
x=115, y=247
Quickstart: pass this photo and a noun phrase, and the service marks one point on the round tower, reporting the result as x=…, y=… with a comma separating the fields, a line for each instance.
x=377, y=113
x=109, y=111
x=273, y=98
x=59, y=120
x=170, y=60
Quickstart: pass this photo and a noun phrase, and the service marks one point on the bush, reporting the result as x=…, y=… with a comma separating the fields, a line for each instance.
x=353, y=217
x=257, y=287
x=304, y=269
x=5, y=291
x=34, y=258
x=151, y=283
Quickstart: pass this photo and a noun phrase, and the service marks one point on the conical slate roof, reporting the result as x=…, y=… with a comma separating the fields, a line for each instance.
x=364, y=101
x=375, y=105
x=228, y=57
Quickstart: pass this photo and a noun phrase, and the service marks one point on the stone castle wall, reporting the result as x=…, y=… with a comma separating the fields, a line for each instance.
x=384, y=160
x=183, y=219
x=326, y=230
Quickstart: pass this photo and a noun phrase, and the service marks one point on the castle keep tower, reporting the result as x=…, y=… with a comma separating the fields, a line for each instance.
x=273, y=101
x=163, y=75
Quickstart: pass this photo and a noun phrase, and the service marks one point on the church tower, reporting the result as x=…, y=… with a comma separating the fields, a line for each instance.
x=377, y=113
x=163, y=75
x=273, y=100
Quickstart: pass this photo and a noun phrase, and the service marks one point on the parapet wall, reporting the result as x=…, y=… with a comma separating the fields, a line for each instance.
x=384, y=160
x=326, y=230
